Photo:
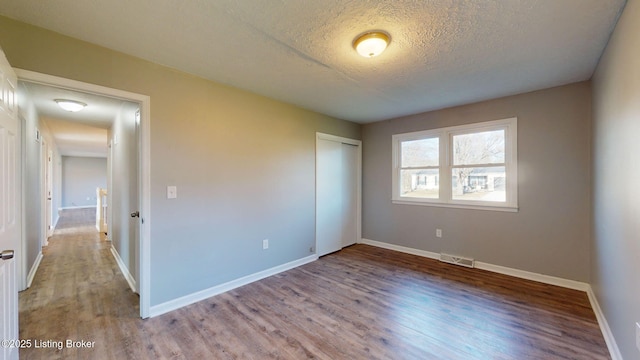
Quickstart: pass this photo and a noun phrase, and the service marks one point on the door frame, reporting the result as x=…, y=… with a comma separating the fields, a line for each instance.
x=144, y=146
x=49, y=193
x=45, y=174
x=358, y=144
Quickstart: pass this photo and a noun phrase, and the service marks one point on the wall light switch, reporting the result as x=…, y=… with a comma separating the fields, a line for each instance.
x=172, y=192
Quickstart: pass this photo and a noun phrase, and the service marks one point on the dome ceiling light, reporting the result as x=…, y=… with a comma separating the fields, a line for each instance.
x=70, y=105
x=371, y=43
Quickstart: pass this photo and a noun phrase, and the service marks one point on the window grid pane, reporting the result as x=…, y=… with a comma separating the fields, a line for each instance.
x=421, y=183
x=486, y=147
x=420, y=153
x=479, y=183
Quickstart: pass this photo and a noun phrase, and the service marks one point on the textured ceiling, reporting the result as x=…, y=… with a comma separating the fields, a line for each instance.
x=443, y=53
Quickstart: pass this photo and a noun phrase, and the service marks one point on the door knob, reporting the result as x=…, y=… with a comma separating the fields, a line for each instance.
x=7, y=254
x=135, y=214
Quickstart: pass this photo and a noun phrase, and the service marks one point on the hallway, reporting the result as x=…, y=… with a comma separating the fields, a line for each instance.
x=78, y=294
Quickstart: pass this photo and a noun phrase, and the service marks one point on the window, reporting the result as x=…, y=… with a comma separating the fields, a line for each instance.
x=469, y=166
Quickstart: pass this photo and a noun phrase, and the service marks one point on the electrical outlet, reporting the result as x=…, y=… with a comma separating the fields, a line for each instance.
x=311, y=249
x=265, y=244
x=439, y=233
x=638, y=335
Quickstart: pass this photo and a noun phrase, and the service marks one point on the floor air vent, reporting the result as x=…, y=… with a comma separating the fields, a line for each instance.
x=456, y=260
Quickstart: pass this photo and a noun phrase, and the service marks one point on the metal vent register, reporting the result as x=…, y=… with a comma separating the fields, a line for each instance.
x=457, y=260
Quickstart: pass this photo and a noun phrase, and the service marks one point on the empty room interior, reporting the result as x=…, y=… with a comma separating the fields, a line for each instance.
x=331, y=179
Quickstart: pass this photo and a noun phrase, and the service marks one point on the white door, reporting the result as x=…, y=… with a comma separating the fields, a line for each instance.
x=350, y=188
x=136, y=204
x=44, y=190
x=49, y=194
x=10, y=200
x=328, y=197
x=337, y=193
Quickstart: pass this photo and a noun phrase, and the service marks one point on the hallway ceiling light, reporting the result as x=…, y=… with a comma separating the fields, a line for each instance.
x=372, y=43
x=70, y=105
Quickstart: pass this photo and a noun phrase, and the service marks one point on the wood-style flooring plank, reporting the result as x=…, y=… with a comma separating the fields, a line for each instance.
x=359, y=303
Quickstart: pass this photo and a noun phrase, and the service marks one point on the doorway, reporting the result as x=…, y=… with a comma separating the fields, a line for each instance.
x=141, y=260
x=338, y=189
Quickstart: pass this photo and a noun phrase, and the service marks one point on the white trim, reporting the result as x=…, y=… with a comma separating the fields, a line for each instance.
x=55, y=224
x=527, y=275
x=445, y=165
x=406, y=250
x=144, y=142
x=34, y=269
x=410, y=201
x=163, y=308
x=335, y=138
x=614, y=351
x=125, y=271
x=545, y=279
x=76, y=207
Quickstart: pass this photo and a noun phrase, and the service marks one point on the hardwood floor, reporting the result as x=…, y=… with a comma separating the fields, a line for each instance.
x=360, y=303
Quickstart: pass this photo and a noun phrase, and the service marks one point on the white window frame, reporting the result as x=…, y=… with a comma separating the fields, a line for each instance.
x=445, y=135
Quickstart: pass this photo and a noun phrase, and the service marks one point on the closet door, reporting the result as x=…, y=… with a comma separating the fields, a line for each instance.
x=329, y=206
x=349, y=189
x=337, y=210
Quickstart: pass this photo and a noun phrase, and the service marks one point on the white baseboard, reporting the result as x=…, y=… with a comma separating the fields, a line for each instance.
x=55, y=223
x=77, y=207
x=125, y=271
x=402, y=249
x=163, y=308
x=545, y=279
x=614, y=351
x=527, y=275
x=34, y=269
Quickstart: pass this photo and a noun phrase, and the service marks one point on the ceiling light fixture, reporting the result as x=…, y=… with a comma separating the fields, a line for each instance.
x=70, y=105
x=371, y=43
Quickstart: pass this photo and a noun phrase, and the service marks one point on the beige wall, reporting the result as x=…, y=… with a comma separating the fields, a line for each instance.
x=243, y=164
x=550, y=233
x=616, y=181
x=80, y=178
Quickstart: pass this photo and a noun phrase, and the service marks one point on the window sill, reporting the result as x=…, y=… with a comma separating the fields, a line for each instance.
x=457, y=206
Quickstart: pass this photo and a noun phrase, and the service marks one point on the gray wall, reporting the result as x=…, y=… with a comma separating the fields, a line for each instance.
x=80, y=178
x=123, y=192
x=32, y=176
x=31, y=179
x=243, y=164
x=616, y=181
x=550, y=233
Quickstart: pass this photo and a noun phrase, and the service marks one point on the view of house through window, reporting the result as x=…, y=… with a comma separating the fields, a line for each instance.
x=477, y=160
x=420, y=167
x=478, y=166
